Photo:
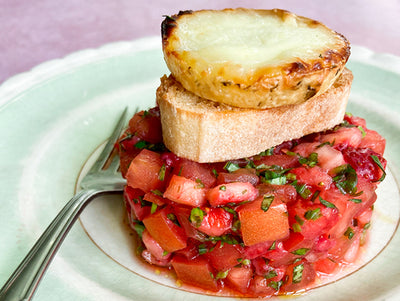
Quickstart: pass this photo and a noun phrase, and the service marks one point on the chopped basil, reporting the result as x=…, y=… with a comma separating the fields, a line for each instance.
x=157, y=192
x=271, y=274
x=153, y=208
x=327, y=204
x=173, y=219
x=202, y=248
x=367, y=225
x=315, y=195
x=161, y=173
x=150, y=146
x=296, y=227
x=236, y=225
x=222, y=274
x=165, y=253
x=326, y=143
x=223, y=188
x=215, y=173
x=199, y=183
x=276, y=285
x=298, y=273
x=229, y=239
x=363, y=133
x=357, y=201
x=273, y=246
x=311, y=160
x=231, y=167
x=302, y=190
x=274, y=174
x=244, y=261
x=299, y=220
x=301, y=251
x=378, y=162
x=313, y=214
x=139, y=228
x=345, y=179
x=349, y=233
x=196, y=216
x=266, y=202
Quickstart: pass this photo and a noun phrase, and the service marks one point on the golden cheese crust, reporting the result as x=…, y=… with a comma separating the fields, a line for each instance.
x=252, y=58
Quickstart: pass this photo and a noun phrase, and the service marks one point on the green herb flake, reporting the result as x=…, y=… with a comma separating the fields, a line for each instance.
x=222, y=188
x=165, y=253
x=139, y=228
x=161, y=173
x=157, y=192
x=215, y=172
x=276, y=285
x=349, y=233
x=301, y=251
x=222, y=274
x=298, y=273
x=345, y=179
x=379, y=164
x=363, y=133
x=231, y=167
x=357, y=201
x=327, y=204
x=271, y=274
x=296, y=227
x=153, y=208
x=202, y=248
x=310, y=161
x=273, y=246
x=196, y=216
x=313, y=214
x=199, y=183
x=299, y=220
x=266, y=202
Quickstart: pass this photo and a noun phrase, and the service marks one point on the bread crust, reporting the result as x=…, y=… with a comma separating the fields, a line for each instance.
x=293, y=81
x=206, y=131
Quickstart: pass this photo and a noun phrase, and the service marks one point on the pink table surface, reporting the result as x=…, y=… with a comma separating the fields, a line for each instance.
x=36, y=31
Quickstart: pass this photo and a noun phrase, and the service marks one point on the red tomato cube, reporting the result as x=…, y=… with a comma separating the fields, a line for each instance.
x=224, y=256
x=216, y=222
x=185, y=191
x=144, y=171
x=170, y=236
x=197, y=272
x=239, y=278
x=231, y=193
x=260, y=225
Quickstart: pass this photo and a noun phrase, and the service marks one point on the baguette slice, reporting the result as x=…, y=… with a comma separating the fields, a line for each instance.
x=252, y=58
x=206, y=131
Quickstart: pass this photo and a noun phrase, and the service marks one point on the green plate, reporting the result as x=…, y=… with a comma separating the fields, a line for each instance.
x=53, y=118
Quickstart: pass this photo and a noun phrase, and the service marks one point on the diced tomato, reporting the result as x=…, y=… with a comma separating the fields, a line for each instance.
x=299, y=276
x=153, y=198
x=314, y=176
x=216, y=222
x=183, y=213
x=196, y=272
x=358, y=121
x=306, y=148
x=312, y=219
x=295, y=241
x=260, y=286
x=344, y=136
x=144, y=171
x=138, y=208
x=191, y=251
x=329, y=158
x=198, y=172
x=284, y=161
x=326, y=266
x=239, y=278
x=285, y=193
x=154, y=247
x=185, y=191
x=170, y=236
x=231, y=193
x=256, y=250
x=245, y=175
x=224, y=256
x=373, y=141
x=259, y=224
x=147, y=126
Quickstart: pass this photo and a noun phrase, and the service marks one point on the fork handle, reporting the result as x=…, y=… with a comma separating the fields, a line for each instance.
x=25, y=279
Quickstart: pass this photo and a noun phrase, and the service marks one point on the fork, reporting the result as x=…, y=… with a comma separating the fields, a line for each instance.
x=102, y=178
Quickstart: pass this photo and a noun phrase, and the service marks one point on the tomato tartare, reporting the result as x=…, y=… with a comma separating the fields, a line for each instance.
x=260, y=226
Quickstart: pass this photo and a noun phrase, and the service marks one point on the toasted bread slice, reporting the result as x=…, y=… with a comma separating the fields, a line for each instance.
x=206, y=131
x=252, y=58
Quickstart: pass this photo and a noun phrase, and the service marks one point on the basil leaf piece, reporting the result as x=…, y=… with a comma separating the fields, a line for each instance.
x=298, y=273
x=301, y=251
x=378, y=162
x=231, y=167
x=327, y=204
x=313, y=214
x=346, y=179
x=266, y=202
x=196, y=216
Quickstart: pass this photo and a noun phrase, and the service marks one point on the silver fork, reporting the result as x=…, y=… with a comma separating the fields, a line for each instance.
x=102, y=178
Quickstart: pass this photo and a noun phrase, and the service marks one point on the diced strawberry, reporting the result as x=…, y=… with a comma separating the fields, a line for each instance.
x=144, y=171
x=231, y=193
x=239, y=278
x=355, y=120
x=154, y=247
x=344, y=136
x=170, y=236
x=216, y=222
x=245, y=175
x=185, y=191
x=198, y=172
x=195, y=272
x=261, y=223
x=285, y=193
x=224, y=256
